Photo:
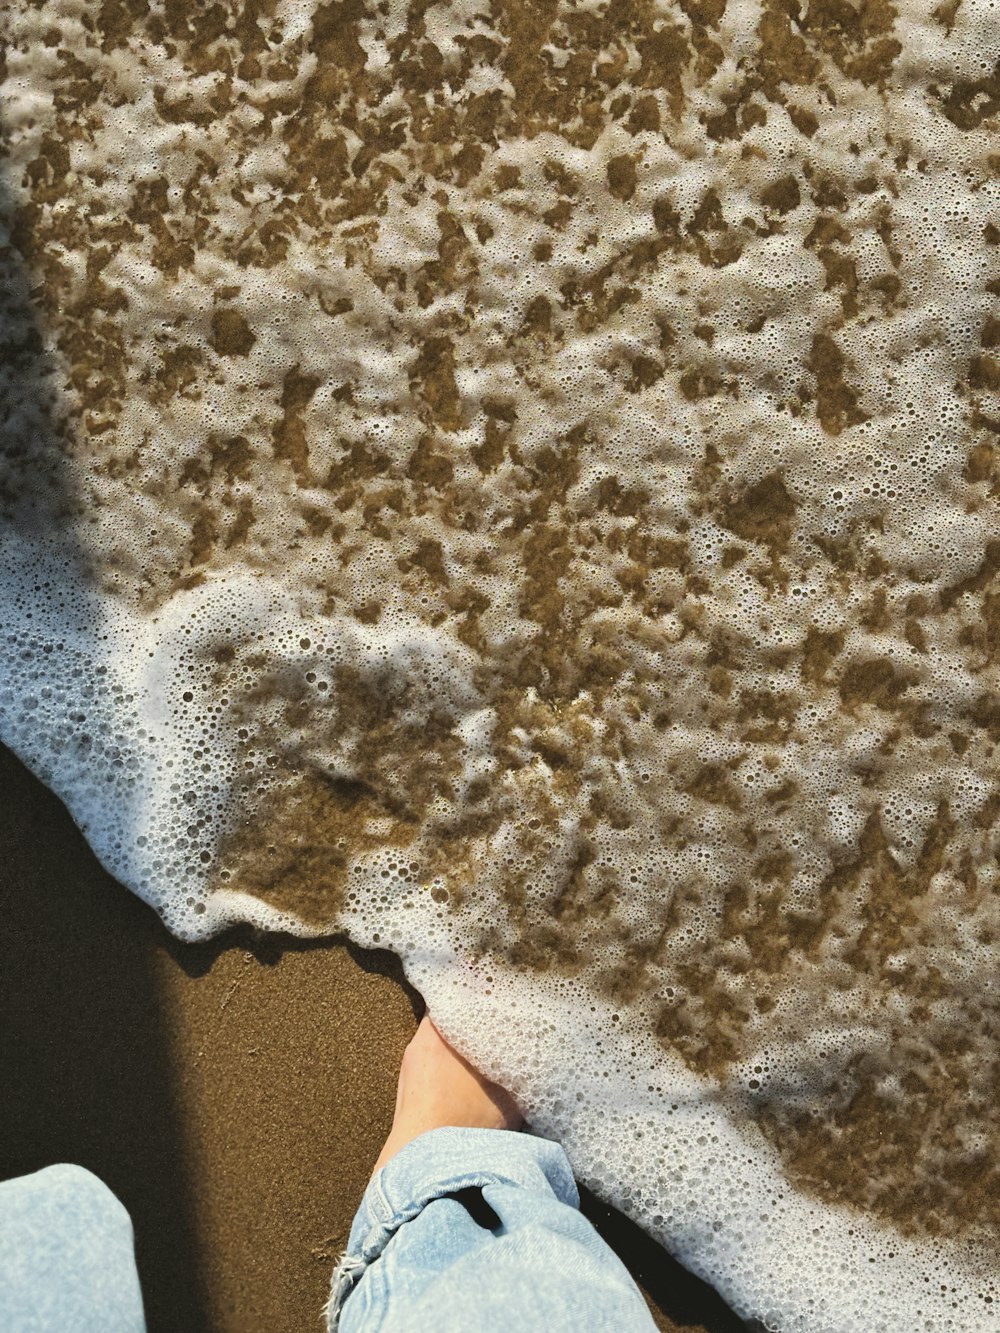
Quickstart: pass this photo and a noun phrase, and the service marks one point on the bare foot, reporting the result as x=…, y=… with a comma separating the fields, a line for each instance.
x=437, y=1087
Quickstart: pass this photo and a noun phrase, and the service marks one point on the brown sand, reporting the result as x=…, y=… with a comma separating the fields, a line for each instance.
x=233, y=1095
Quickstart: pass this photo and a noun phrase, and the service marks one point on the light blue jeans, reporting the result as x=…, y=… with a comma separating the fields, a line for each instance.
x=67, y=1261
x=479, y=1229
x=463, y=1229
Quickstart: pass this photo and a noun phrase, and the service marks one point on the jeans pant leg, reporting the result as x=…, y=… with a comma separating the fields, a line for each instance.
x=479, y=1229
x=67, y=1258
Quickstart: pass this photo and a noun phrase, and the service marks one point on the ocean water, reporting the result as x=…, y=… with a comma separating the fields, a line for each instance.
x=517, y=482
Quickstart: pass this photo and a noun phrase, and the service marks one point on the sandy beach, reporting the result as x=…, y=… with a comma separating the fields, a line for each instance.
x=232, y=1094
x=516, y=484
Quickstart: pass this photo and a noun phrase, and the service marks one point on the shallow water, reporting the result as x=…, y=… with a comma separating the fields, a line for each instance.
x=518, y=483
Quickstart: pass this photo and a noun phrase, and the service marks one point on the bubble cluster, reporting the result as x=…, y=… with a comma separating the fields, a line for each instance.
x=518, y=484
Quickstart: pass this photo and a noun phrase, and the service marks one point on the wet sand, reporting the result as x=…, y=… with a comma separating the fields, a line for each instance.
x=233, y=1095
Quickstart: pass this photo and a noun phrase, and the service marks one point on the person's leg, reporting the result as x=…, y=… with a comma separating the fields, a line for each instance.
x=468, y=1224
x=67, y=1259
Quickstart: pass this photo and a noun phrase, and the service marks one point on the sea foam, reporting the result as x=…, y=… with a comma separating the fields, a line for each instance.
x=518, y=484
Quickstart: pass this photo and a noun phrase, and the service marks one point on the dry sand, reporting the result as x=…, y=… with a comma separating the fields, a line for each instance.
x=233, y=1095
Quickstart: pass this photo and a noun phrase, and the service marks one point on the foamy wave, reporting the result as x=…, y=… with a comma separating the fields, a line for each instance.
x=518, y=484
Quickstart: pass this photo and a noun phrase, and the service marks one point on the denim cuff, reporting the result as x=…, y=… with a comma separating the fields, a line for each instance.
x=439, y=1163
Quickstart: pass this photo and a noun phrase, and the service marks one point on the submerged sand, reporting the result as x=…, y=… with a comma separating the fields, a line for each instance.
x=233, y=1094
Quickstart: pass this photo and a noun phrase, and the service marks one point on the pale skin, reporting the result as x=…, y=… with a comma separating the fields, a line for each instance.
x=438, y=1087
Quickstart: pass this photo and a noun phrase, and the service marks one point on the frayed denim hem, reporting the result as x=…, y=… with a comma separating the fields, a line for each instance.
x=346, y=1276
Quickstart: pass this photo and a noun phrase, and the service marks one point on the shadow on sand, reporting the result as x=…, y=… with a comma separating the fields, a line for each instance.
x=86, y=1064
